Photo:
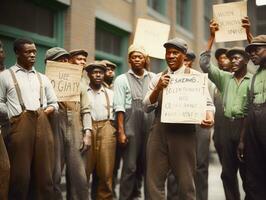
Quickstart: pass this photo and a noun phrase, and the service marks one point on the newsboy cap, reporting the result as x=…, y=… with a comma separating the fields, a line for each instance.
x=177, y=43
x=237, y=50
x=259, y=40
x=95, y=64
x=109, y=63
x=219, y=52
x=75, y=52
x=55, y=52
x=190, y=55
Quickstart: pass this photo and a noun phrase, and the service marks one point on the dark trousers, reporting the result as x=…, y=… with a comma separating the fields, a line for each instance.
x=226, y=144
x=30, y=149
x=201, y=179
x=4, y=170
x=171, y=147
x=255, y=155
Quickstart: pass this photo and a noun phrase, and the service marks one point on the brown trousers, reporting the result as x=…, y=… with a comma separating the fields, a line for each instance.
x=101, y=157
x=171, y=147
x=30, y=149
x=4, y=170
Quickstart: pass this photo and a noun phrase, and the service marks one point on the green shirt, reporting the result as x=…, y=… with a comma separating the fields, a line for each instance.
x=260, y=86
x=234, y=94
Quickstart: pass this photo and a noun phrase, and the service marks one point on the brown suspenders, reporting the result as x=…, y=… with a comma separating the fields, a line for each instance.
x=18, y=91
x=108, y=103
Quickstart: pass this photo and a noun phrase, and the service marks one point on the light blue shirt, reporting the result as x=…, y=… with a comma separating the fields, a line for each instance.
x=30, y=91
x=122, y=93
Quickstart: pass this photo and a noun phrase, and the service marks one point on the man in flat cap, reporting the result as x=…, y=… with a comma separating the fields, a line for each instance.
x=78, y=57
x=255, y=141
x=101, y=155
x=4, y=123
x=190, y=58
x=133, y=124
x=234, y=91
x=172, y=146
x=72, y=132
x=109, y=74
x=28, y=98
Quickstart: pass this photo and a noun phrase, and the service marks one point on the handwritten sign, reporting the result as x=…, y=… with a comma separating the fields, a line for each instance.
x=152, y=35
x=65, y=79
x=184, y=99
x=229, y=16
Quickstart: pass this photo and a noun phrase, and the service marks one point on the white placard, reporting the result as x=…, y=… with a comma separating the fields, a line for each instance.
x=229, y=16
x=152, y=35
x=184, y=99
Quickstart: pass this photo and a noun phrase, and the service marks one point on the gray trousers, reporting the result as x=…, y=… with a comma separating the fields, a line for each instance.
x=201, y=179
x=67, y=136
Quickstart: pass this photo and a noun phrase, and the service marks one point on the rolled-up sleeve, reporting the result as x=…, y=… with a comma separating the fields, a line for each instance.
x=50, y=94
x=3, y=106
x=85, y=107
x=119, y=94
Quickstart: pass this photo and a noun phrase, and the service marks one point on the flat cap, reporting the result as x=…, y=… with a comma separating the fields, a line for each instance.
x=190, y=55
x=95, y=64
x=75, y=52
x=55, y=52
x=259, y=40
x=109, y=63
x=219, y=52
x=237, y=50
x=138, y=48
x=177, y=43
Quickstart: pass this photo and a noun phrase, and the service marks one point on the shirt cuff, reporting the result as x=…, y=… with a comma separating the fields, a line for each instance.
x=120, y=109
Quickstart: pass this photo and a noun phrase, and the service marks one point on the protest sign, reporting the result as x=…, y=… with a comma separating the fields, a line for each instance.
x=229, y=16
x=152, y=35
x=65, y=78
x=184, y=99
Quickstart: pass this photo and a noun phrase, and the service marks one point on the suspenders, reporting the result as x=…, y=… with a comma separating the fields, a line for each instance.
x=108, y=103
x=19, y=91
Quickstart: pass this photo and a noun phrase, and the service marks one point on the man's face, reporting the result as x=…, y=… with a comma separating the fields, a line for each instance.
x=2, y=56
x=238, y=62
x=188, y=62
x=258, y=55
x=63, y=59
x=174, y=58
x=224, y=63
x=79, y=60
x=137, y=60
x=26, y=55
x=96, y=76
x=109, y=73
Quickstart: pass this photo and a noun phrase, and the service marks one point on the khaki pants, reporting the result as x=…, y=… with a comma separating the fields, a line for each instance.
x=4, y=170
x=171, y=147
x=101, y=157
x=30, y=149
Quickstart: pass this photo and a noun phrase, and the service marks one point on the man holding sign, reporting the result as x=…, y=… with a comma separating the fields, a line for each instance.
x=172, y=145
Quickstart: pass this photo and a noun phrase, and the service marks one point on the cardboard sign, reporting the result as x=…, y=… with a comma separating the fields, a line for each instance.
x=152, y=35
x=229, y=16
x=65, y=79
x=184, y=99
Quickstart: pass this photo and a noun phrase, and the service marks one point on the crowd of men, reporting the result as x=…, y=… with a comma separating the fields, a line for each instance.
x=118, y=122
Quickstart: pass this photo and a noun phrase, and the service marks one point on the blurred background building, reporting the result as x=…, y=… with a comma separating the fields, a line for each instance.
x=105, y=28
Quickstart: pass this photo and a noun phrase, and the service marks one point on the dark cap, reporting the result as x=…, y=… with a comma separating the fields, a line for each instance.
x=177, y=43
x=78, y=52
x=96, y=64
x=219, y=52
x=109, y=63
x=190, y=55
x=237, y=50
x=259, y=40
x=55, y=52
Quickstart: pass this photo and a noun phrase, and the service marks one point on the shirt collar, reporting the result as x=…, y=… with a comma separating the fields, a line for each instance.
x=98, y=91
x=17, y=68
x=180, y=70
x=131, y=72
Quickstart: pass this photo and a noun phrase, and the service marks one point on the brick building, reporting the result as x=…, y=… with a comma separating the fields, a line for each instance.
x=106, y=27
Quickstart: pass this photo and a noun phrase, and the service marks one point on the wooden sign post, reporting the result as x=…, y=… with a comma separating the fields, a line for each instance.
x=184, y=99
x=65, y=78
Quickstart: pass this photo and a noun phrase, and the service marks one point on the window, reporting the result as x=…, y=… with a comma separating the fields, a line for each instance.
x=261, y=20
x=183, y=13
x=207, y=17
x=27, y=16
x=111, y=43
x=158, y=5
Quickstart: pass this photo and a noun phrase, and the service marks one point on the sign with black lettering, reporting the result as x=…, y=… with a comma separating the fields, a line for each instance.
x=65, y=78
x=229, y=16
x=184, y=99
